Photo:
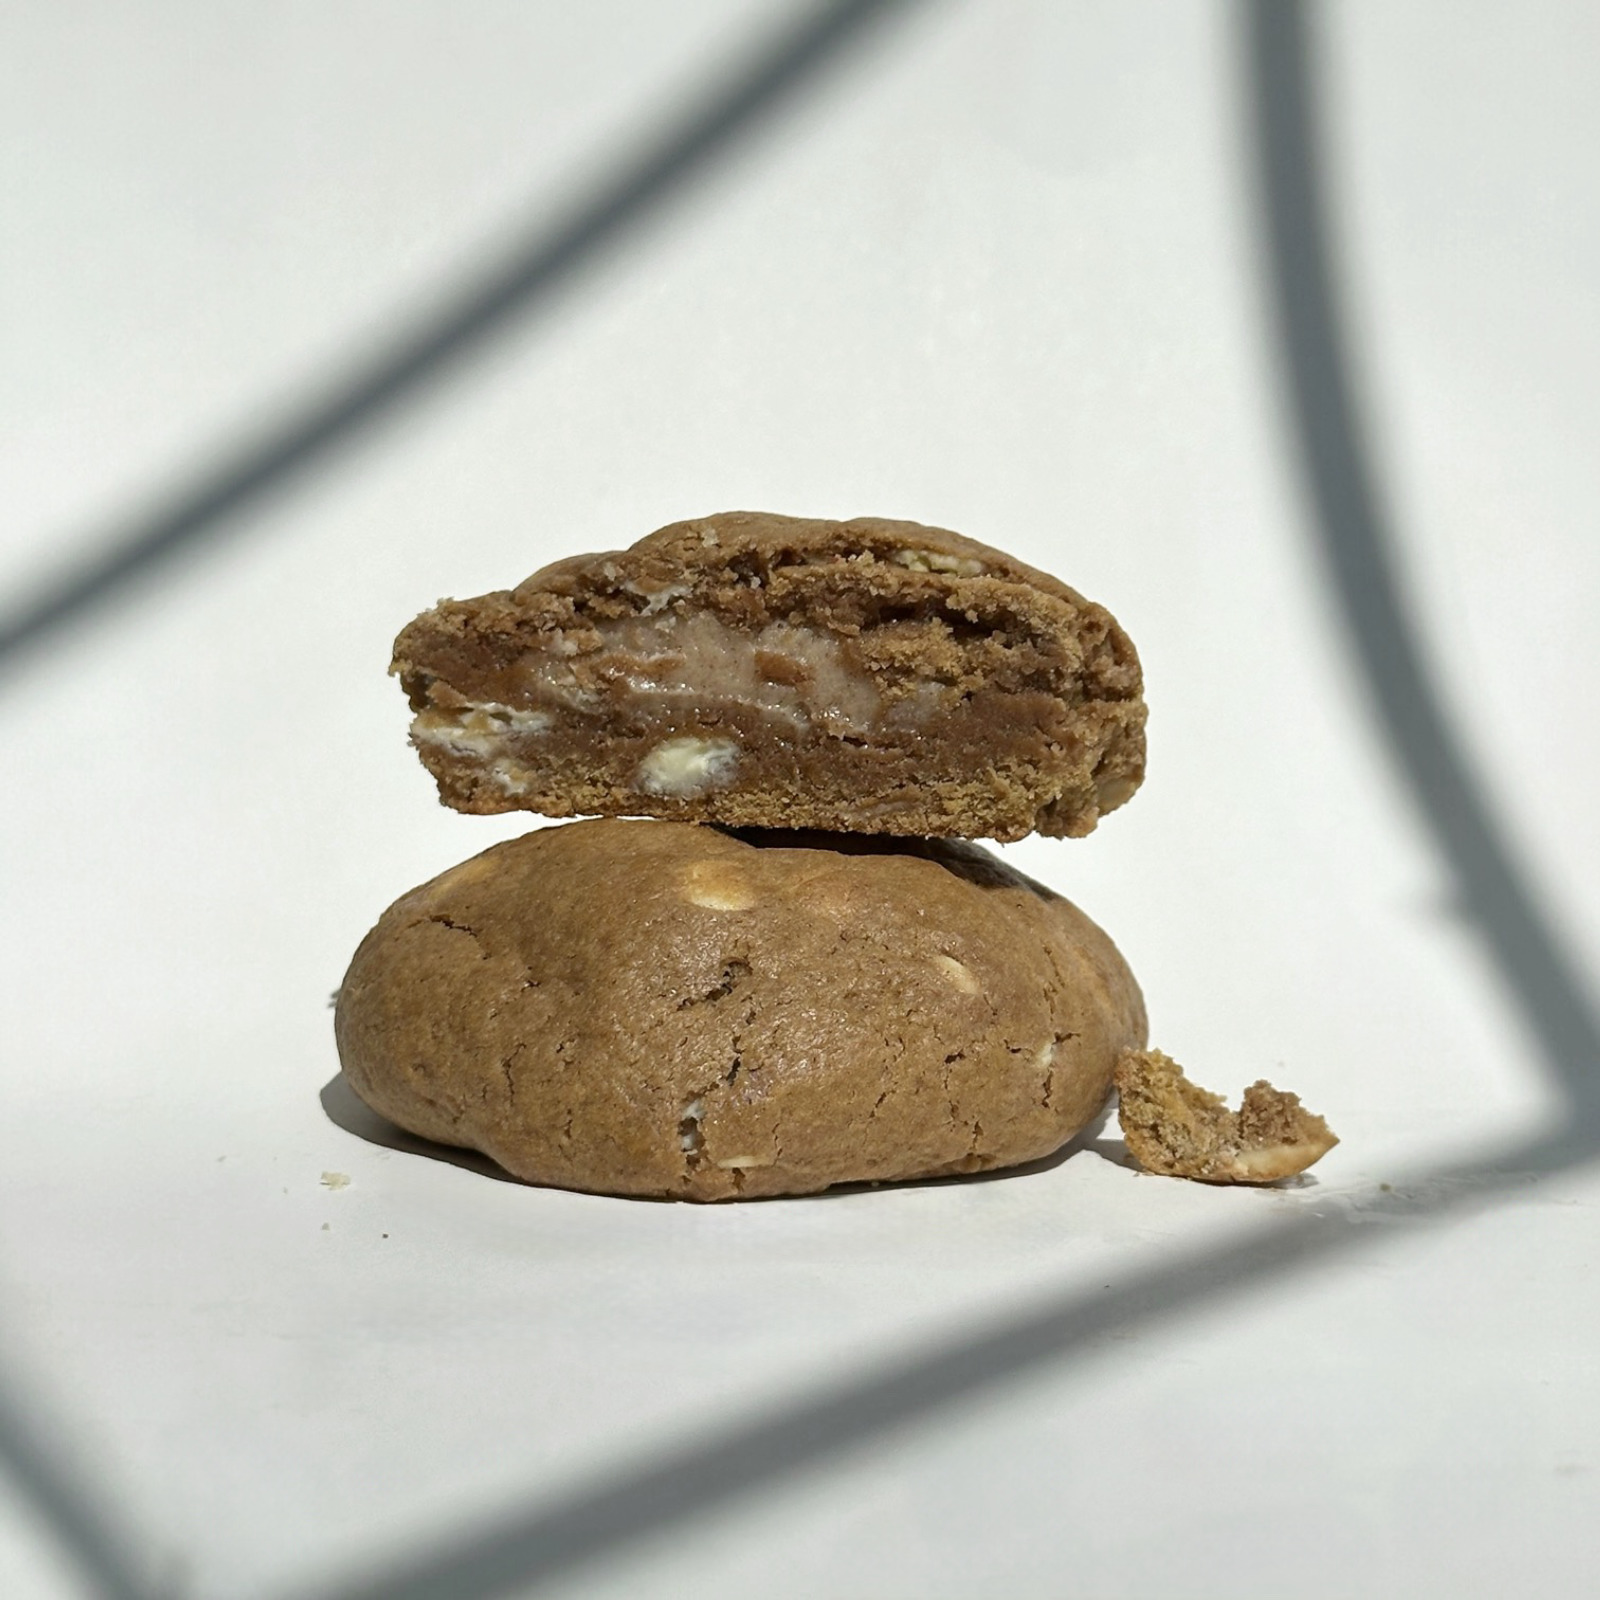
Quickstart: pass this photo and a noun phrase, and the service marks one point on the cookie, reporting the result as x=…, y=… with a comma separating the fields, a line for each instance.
x=656, y=1008
x=767, y=671
x=1178, y=1129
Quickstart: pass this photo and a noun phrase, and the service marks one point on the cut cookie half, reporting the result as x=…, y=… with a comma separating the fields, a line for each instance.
x=767, y=671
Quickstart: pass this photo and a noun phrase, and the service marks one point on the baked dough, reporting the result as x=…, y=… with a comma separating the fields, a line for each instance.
x=656, y=1008
x=1176, y=1128
x=767, y=671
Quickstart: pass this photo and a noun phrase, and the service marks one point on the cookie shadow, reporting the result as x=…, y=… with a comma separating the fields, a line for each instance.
x=345, y=1109
x=1108, y=1149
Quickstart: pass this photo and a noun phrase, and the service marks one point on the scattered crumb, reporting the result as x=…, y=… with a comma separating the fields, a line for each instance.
x=386, y=1236
x=333, y=1000
x=335, y=1180
x=1176, y=1128
x=325, y=1227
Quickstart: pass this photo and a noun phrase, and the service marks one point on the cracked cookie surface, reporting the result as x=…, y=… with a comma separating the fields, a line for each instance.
x=664, y=1009
x=768, y=671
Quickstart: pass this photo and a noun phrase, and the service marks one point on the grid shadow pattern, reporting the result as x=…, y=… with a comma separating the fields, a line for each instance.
x=1350, y=526
x=358, y=399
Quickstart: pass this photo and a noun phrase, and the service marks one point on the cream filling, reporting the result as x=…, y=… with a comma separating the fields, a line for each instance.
x=797, y=674
x=684, y=666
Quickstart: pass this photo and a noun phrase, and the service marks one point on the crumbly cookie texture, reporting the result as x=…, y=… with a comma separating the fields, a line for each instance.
x=657, y=1008
x=1176, y=1128
x=769, y=671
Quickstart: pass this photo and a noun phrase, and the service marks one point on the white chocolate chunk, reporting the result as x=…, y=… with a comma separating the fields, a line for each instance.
x=1270, y=1162
x=937, y=561
x=959, y=973
x=717, y=886
x=689, y=1140
x=657, y=600
x=687, y=766
x=477, y=730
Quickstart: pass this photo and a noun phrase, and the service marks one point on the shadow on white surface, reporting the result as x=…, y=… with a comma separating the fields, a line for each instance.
x=521, y=1553
x=353, y=402
x=742, y=1461
x=755, y=1455
x=346, y=1109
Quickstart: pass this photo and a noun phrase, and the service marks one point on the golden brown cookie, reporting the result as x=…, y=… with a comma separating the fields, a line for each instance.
x=767, y=671
x=654, y=1008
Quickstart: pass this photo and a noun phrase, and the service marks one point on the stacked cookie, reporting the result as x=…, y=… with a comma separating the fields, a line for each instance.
x=799, y=974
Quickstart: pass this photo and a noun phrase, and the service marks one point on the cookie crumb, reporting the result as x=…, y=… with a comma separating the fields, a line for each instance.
x=1176, y=1128
x=335, y=1180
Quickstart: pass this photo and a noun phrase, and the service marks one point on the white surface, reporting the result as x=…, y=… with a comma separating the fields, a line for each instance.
x=997, y=275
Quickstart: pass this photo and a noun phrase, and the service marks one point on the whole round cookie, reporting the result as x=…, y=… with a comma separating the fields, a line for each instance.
x=661, y=1008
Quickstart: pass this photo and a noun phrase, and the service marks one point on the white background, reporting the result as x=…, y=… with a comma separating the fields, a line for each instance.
x=997, y=273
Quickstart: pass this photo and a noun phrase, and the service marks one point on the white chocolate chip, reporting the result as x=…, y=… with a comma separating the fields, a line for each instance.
x=517, y=719
x=689, y=1140
x=477, y=730
x=687, y=766
x=959, y=973
x=657, y=600
x=1268, y=1163
x=743, y=1163
x=717, y=886
x=937, y=561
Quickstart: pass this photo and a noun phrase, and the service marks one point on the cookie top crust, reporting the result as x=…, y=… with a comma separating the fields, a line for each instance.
x=732, y=547
x=762, y=670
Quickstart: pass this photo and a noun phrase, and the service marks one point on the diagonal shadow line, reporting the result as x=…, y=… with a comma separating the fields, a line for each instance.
x=540, y=1547
x=1354, y=537
x=717, y=1471
x=98, y=1550
x=205, y=508
x=1356, y=544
